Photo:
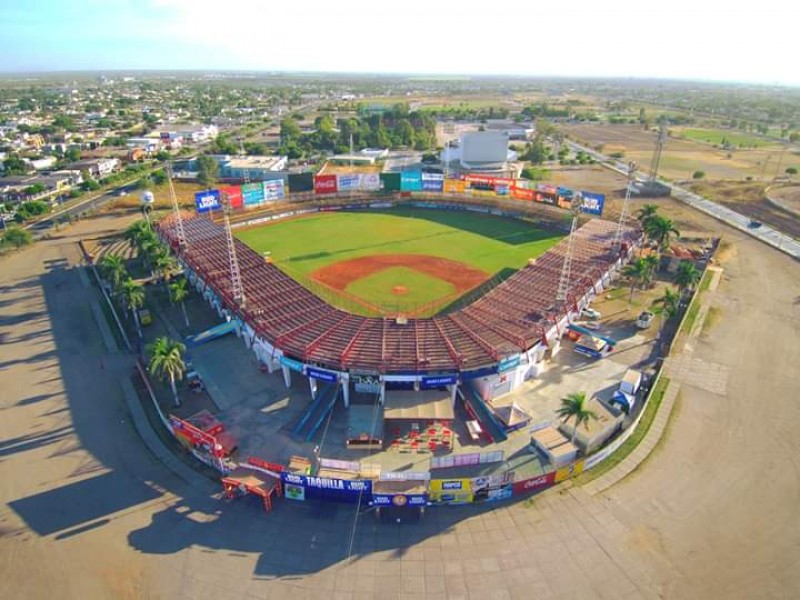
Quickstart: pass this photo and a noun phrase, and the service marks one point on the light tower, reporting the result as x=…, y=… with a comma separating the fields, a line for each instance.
x=660, y=141
x=182, y=243
x=237, y=290
x=623, y=215
x=563, y=282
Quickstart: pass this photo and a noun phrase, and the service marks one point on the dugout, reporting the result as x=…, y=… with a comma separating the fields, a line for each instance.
x=364, y=427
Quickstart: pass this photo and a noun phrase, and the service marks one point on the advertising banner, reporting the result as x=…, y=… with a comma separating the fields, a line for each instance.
x=438, y=381
x=491, y=488
x=486, y=181
x=371, y=181
x=301, y=182
x=234, y=195
x=325, y=184
x=390, y=182
x=520, y=193
x=294, y=492
x=322, y=375
x=253, y=193
x=508, y=363
x=411, y=181
x=477, y=373
x=592, y=203
x=454, y=186
x=347, y=182
x=326, y=488
x=575, y=468
x=207, y=200
x=366, y=384
x=273, y=189
x=432, y=182
x=399, y=500
x=536, y=483
x=451, y=491
x=294, y=365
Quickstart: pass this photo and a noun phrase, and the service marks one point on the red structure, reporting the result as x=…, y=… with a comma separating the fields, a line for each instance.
x=511, y=318
x=252, y=478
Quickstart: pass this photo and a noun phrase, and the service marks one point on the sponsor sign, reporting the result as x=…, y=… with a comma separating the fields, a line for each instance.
x=592, y=203
x=366, y=384
x=411, y=181
x=399, y=500
x=444, y=485
x=454, y=186
x=371, y=181
x=477, y=373
x=381, y=205
x=485, y=181
x=294, y=492
x=326, y=488
x=534, y=484
x=273, y=189
x=234, y=195
x=575, y=468
x=207, y=201
x=348, y=182
x=451, y=491
x=325, y=184
x=294, y=365
x=432, y=182
x=438, y=381
x=521, y=193
x=322, y=375
x=253, y=193
x=508, y=363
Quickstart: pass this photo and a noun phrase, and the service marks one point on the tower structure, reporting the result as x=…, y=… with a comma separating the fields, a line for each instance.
x=563, y=282
x=623, y=215
x=660, y=141
x=237, y=290
x=181, y=232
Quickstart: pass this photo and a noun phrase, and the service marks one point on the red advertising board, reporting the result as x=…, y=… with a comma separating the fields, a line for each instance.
x=486, y=179
x=325, y=184
x=522, y=193
x=234, y=195
x=534, y=484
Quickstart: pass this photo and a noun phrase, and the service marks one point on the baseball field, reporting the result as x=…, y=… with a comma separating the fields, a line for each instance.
x=399, y=261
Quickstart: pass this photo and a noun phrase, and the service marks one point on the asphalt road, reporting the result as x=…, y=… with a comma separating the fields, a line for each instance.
x=88, y=512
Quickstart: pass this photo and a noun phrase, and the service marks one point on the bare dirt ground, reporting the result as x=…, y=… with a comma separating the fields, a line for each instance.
x=789, y=195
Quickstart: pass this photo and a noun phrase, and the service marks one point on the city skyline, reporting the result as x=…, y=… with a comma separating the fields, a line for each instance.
x=690, y=42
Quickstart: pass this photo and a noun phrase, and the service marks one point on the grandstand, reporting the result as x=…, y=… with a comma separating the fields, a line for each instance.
x=509, y=319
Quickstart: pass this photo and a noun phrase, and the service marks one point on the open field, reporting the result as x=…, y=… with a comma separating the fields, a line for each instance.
x=680, y=157
x=475, y=248
x=715, y=136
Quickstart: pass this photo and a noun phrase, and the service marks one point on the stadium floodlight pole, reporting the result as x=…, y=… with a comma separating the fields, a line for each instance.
x=563, y=282
x=623, y=215
x=237, y=290
x=182, y=243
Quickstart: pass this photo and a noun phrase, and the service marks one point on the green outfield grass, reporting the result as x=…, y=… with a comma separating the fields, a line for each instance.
x=491, y=244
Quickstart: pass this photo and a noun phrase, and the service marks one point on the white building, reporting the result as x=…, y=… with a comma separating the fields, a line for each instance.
x=480, y=151
x=188, y=133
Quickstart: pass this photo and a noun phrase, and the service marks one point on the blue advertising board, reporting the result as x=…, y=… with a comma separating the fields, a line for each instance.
x=438, y=381
x=431, y=182
x=207, y=200
x=411, y=181
x=322, y=375
x=253, y=193
x=348, y=182
x=508, y=363
x=477, y=373
x=294, y=365
x=327, y=488
x=273, y=189
x=399, y=500
x=592, y=203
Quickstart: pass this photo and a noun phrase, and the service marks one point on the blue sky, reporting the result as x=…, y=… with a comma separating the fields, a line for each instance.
x=693, y=39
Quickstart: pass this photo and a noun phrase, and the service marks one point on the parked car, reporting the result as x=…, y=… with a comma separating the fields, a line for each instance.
x=590, y=313
x=754, y=224
x=644, y=320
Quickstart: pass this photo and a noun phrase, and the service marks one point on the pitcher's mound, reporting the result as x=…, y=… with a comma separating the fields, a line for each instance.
x=399, y=290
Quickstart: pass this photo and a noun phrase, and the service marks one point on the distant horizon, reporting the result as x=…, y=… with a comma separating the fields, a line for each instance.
x=691, y=41
x=432, y=76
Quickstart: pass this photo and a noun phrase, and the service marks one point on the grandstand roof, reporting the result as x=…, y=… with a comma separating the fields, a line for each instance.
x=510, y=318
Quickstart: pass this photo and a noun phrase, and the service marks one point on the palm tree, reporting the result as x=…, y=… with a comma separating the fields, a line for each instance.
x=687, y=275
x=574, y=407
x=638, y=271
x=132, y=294
x=113, y=268
x=646, y=213
x=651, y=261
x=135, y=231
x=162, y=262
x=178, y=293
x=660, y=230
x=670, y=304
x=166, y=362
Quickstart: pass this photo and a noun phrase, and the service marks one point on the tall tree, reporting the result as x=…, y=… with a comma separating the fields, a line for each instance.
x=574, y=407
x=166, y=362
x=113, y=268
x=660, y=230
x=17, y=237
x=639, y=274
x=646, y=212
x=669, y=305
x=686, y=276
x=207, y=171
x=132, y=295
x=178, y=293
